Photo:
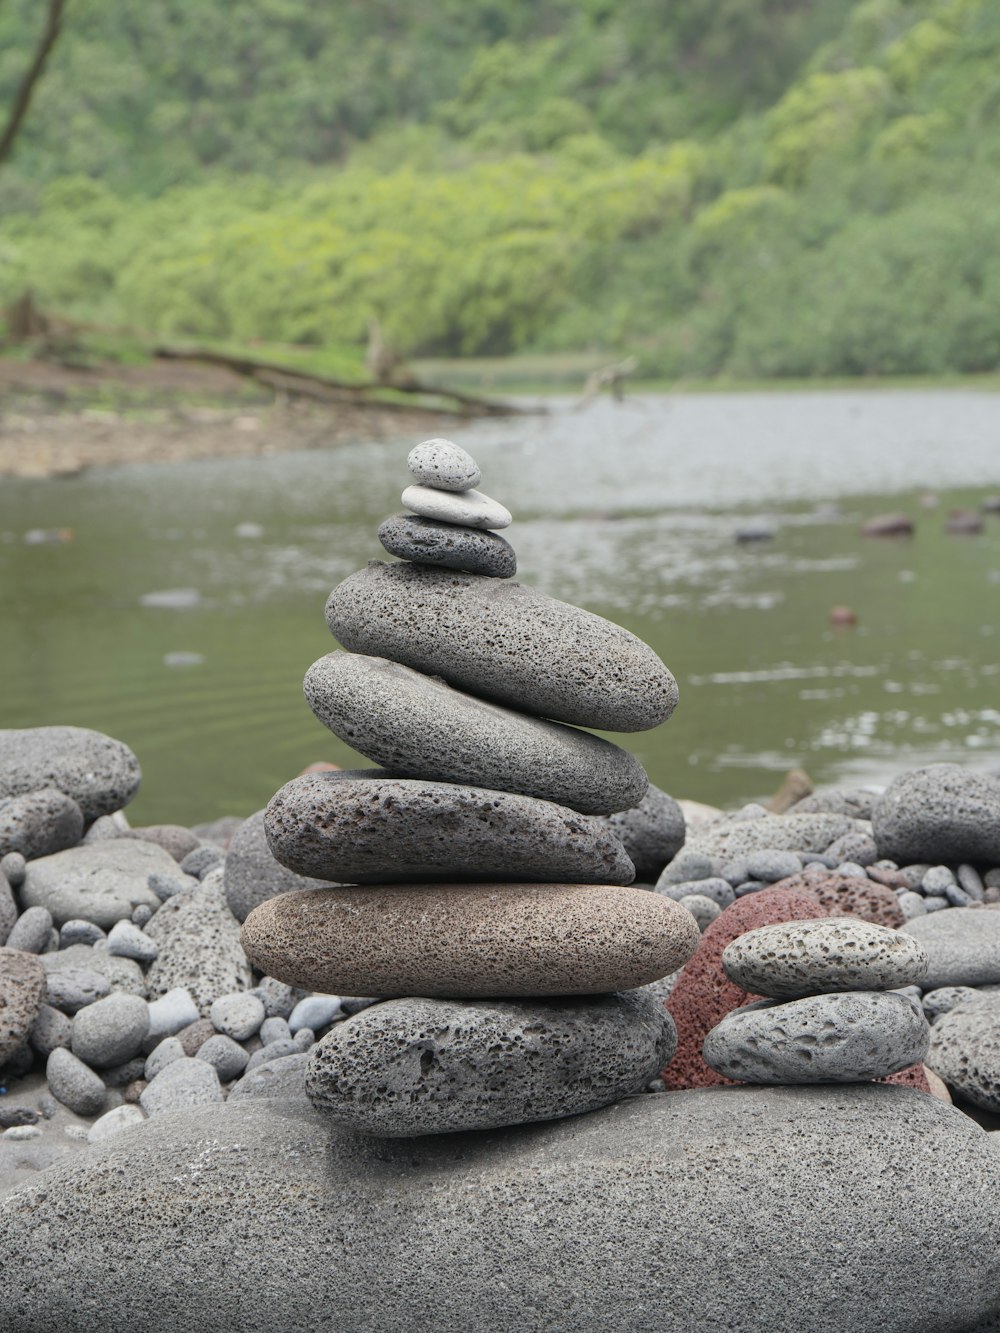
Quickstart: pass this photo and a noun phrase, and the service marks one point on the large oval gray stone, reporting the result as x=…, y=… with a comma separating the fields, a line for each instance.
x=940, y=813
x=420, y=1066
x=470, y=940
x=505, y=641
x=251, y=874
x=99, y=773
x=420, y=727
x=962, y=944
x=792, y=958
x=39, y=823
x=102, y=882
x=663, y=1214
x=386, y=830
x=199, y=941
x=965, y=1050
x=847, y=1037
x=471, y=550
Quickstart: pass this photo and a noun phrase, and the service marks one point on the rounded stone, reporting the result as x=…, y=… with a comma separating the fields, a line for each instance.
x=851, y=895
x=421, y=1066
x=73, y=987
x=187, y=1081
x=22, y=991
x=945, y=998
x=73, y=1084
x=238, y=1016
x=199, y=943
x=443, y=465
x=173, y=838
x=100, y=774
x=102, y=882
x=467, y=509
x=31, y=931
x=114, y=1121
x=418, y=726
x=846, y=1037
x=126, y=940
x=110, y=1031
x=251, y=874
x=793, y=958
x=8, y=910
x=718, y=891
x=12, y=868
x=39, y=822
x=315, y=1012
x=79, y=932
x=652, y=832
x=226, y=1056
x=771, y=864
x=942, y=813
x=121, y=974
x=965, y=1050
x=164, y=1053
x=356, y=830
x=471, y=940
x=570, y=1213
x=428, y=542
x=504, y=641
x=735, y=839
x=963, y=946
x=51, y=1028
x=704, y=910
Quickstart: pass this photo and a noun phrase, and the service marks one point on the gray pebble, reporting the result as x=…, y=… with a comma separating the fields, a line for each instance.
x=965, y=1050
x=120, y=1076
x=199, y=862
x=471, y=508
x=944, y=998
x=686, y=867
x=13, y=867
x=141, y=915
x=935, y=904
x=227, y=1057
x=913, y=904
x=170, y=1012
x=971, y=881
x=858, y=848
x=771, y=865
x=110, y=1031
x=851, y=870
x=915, y=875
x=8, y=910
x=79, y=932
x=304, y=1039
x=957, y=896
x=21, y=1132
x=164, y=1053
x=991, y=879
x=71, y=988
x=50, y=1029
x=443, y=465
x=736, y=872
x=848, y=1037
x=751, y=886
x=126, y=940
x=39, y=823
x=704, y=910
x=238, y=1015
x=353, y=1004
x=448, y=545
x=315, y=1012
x=12, y=1115
x=48, y=1106
x=114, y=1121
x=276, y=1051
x=188, y=1081
x=283, y=1079
x=937, y=880
x=277, y=997
x=73, y=1084
x=31, y=931
x=719, y=890
x=275, y=1029
x=819, y=859
x=166, y=886
x=102, y=882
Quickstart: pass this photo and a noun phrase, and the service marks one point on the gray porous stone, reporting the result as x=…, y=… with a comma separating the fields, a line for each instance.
x=73, y=1084
x=570, y=1214
x=420, y=1066
x=251, y=874
x=126, y=940
x=140, y=915
x=652, y=832
x=71, y=988
x=101, y=882
x=22, y=991
x=171, y=1012
x=227, y=1057
x=963, y=946
x=51, y=1028
x=121, y=974
x=857, y=848
x=238, y=1016
x=937, y=880
x=385, y=830
x=444, y=466
x=280, y=1079
x=733, y=839
x=716, y=889
x=686, y=867
x=943, y=813
x=114, y=1121
x=120, y=1076
x=972, y=882
x=940, y=1001
x=39, y=822
x=846, y=1037
x=279, y=1000
x=184, y=1082
x=506, y=642
x=99, y=773
x=771, y=864
x=173, y=838
x=965, y=1050
x=12, y=868
x=793, y=958
x=854, y=801
x=468, y=509
x=8, y=910
x=704, y=910
x=199, y=940
x=470, y=940
x=315, y=1011
x=79, y=932
x=31, y=931
x=199, y=862
x=278, y=1050
x=164, y=1053
x=110, y=1031
x=913, y=904
x=274, y=1029
x=418, y=726
x=471, y=550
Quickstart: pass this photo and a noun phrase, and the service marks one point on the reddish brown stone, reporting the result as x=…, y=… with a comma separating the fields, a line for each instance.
x=843, y=895
x=913, y=1077
x=892, y=879
x=135, y=1090
x=194, y=1036
x=704, y=994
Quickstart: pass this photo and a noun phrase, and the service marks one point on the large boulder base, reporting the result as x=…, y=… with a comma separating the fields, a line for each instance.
x=99, y=773
x=635, y=1218
x=942, y=813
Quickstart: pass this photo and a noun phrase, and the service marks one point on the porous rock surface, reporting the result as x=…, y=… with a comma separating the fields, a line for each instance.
x=39, y=822
x=965, y=1050
x=729, y=839
x=790, y=959
x=387, y=830
x=102, y=882
x=506, y=641
x=443, y=465
x=570, y=1213
x=470, y=940
x=942, y=813
x=652, y=833
x=433, y=543
x=22, y=991
x=199, y=941
x=845, y=1037
x=422, y=1066
x=251, y=874
x=99, y=773
x=854, y=896
x=418, y=726
x=963, y=946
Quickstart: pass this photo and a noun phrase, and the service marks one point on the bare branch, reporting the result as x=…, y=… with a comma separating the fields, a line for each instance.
x=22, y=101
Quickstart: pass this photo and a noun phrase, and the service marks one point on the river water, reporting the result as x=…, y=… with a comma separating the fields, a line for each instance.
x=630, y=510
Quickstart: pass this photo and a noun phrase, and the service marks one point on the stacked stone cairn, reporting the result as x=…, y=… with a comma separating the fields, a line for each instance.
x=837, y=1007
x=473, y=888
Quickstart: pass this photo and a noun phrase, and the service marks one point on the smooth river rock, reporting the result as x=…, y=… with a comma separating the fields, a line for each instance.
x=386, y=830
x=846, y=1037
x=707, y=1210
x=963, y=946
x=470, y=509
x=432, y=543
x=421, y=1066
x=505, y=641
x=940, y=813
x=101, y=882
x=793, y=958
x=420, y=727
x=251, y=874
x=99, y=773
x=470, y=940
x=443, y=465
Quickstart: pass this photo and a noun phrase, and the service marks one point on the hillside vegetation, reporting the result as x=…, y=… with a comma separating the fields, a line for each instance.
x=722, y=186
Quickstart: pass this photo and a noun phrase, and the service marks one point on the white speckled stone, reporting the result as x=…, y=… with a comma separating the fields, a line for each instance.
x=792, y=958
x=469, y=509
x=443, y=466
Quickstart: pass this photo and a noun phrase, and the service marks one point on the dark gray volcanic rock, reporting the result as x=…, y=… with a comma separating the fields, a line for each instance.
x=940, y=813
x=636, y=1218
x=504, y=641
x=99, y=773
x=420, y=1066
x=39, y=822
x=418, y=726
x=965, y=1050
x=251, y=874
x=383, y=830
x=472, y=550
x=652, y=833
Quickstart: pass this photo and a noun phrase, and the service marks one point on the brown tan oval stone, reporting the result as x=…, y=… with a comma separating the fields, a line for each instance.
x=470, y=940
